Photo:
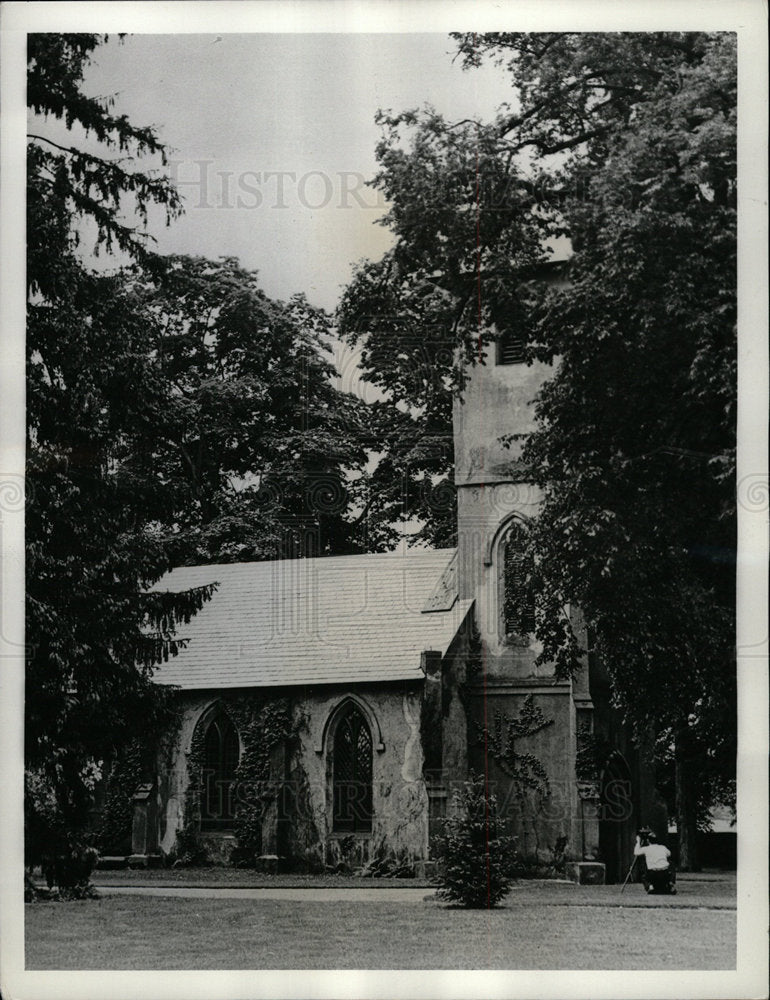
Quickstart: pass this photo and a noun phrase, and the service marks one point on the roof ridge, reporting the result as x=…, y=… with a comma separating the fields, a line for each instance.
x=317, y=559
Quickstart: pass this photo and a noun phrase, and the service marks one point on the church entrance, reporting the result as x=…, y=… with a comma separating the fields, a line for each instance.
x=616, y=818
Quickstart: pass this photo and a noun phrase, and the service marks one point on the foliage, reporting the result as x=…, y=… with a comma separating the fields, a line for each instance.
x=548, y=864
x=525, y=769
x=624, y=145
x=153, y=747
x=592, y=753
x=62, y=851
x=189, y=847
x=259, y=453
x=709, y=770
x=476, y=862
x=635, y=446
x=417, y=314
x=176, y=415
x=264, y=728
x=93, y=542
x=386, y=863
x=113, y=836
x=67, y=183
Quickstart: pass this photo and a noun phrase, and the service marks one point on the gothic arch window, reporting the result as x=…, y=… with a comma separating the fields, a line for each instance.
x=517, y=607
x=351, y=771
x=221, y=753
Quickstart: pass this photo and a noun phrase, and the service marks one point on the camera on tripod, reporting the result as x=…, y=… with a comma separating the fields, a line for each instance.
x=644, y=835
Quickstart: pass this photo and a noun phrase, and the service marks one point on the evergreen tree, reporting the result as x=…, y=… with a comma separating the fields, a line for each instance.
x=176, y=416
x=94, y=545
x=476, y=861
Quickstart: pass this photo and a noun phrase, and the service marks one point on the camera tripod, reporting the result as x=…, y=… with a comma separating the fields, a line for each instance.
x=643, y=836
x=633, y=865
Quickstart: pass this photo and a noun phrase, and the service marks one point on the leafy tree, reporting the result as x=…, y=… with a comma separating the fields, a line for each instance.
x=476, y=861
x=625, y=144
x=67, y=183
x=413, y=310
x=94, y=545
x=259, y=450
x=176, y=415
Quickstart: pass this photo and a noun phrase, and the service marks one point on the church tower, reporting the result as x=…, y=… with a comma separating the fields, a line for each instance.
x=535, y=734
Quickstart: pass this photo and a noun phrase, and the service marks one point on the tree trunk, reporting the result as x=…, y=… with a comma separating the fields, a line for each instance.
x=686, y=816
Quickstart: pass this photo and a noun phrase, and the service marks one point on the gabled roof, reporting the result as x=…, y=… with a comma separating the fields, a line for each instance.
x=337, y=619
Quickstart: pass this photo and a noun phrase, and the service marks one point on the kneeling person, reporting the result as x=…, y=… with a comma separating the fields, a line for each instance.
x=659, y=875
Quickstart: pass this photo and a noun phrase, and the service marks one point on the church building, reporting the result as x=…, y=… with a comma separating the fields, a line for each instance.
x=329, y=707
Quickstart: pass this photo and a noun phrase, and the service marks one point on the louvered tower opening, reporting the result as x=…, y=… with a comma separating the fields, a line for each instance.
x=510, y=349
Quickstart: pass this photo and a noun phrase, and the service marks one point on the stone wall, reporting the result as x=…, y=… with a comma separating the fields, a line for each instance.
x=492, y=492
x=537, y=817
x=300, y=826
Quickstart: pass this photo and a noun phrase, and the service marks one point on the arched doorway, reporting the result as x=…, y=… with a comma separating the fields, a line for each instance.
x=616, y=818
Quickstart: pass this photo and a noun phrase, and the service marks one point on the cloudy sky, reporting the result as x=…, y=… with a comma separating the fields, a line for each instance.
x=273, y=137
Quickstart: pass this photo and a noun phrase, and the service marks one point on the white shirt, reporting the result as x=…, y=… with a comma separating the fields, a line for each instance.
x=656, y=856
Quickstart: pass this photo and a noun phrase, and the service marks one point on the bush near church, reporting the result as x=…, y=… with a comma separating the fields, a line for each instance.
x=476, y=862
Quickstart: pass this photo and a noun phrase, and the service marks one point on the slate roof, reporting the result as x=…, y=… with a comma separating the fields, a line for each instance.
x=337, y=619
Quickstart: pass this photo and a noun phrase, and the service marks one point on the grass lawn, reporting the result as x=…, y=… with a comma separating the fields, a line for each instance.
x=139, y=932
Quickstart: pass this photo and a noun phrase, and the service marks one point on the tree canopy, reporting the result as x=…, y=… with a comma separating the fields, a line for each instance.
x=261, y=453
x=93, y=545
x=175, y=415
x=624, y=145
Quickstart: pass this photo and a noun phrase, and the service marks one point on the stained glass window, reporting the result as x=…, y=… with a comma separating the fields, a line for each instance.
x=518, y=605
x=220, y=759
x=352, y=773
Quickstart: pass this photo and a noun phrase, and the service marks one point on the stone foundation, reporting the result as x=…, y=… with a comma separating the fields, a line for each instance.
x=586, y=872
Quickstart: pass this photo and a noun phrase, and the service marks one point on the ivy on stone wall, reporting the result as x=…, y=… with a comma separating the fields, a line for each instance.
x=134, y=764
x=113, y=835
x=592, y=753
x=526, y=770
x=263, y=727
x=190, y=848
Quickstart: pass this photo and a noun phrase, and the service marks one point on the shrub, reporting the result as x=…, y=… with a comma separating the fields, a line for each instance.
x=54, y=843
x=476, y=863
x=190, y=849
x=387, y=864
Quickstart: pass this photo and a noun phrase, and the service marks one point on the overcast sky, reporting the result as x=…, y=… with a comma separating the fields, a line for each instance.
x=237, y=110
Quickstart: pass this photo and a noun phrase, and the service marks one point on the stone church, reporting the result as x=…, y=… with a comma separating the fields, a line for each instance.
x=329, y=707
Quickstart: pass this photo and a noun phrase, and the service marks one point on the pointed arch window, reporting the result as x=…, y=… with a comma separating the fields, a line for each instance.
x=221, y=753
x=352, y=773
x=518, y=606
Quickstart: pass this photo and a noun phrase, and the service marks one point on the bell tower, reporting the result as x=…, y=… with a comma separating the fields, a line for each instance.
x=493, y=494
x=492, y=489
x=598, y=785
x=524, y=708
